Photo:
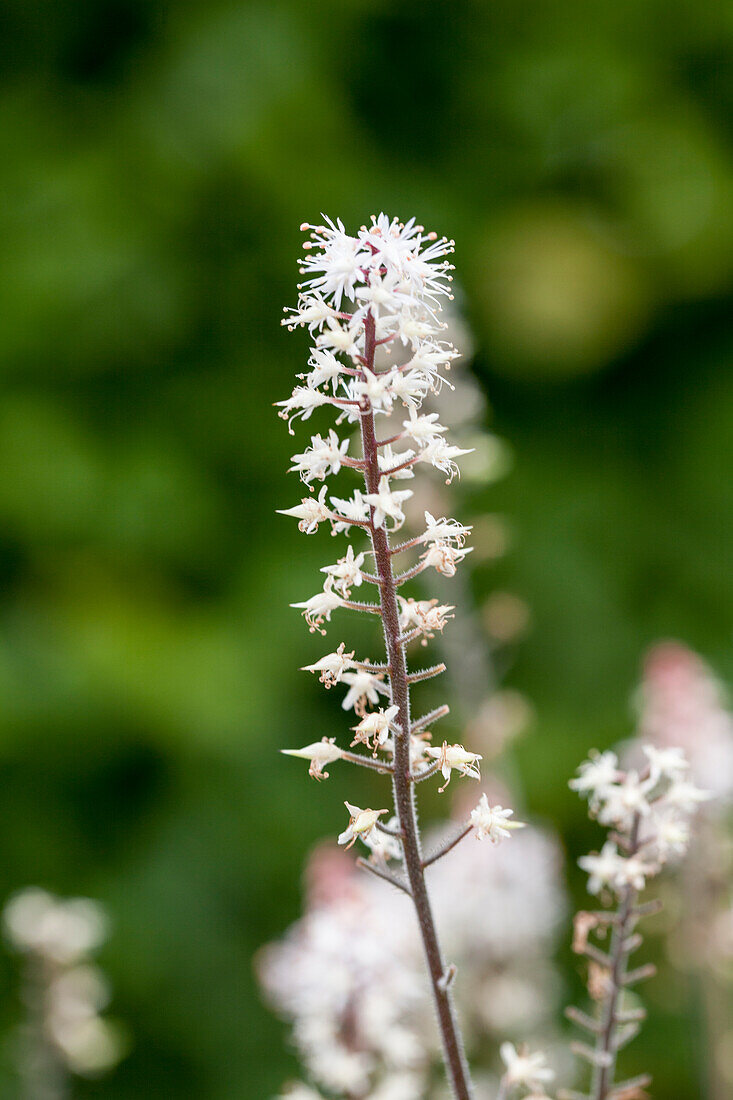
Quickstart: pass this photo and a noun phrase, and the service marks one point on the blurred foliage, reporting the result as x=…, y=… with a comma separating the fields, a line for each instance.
x=158, y=160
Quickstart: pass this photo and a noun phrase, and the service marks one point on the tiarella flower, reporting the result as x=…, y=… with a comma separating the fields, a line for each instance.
x=428, y=617
x=685, y=796
x=410, y=387
x=666, y=763
x=492, y=822
x=388, y=461
x=376, y=388
x=442, y=456
x=597, y=773
x=423, y=428
x=444, y=530
x=373, y=730
x=387, y=504
x=312, y=311
x=383, y=846
x=361, y=824
x=620, y=802
x=325, y=368
x=443, y=557
x=455, y=758
x=323, y=457
x=318, y=608
x=301, y=403
x=634, y=872
x=523, y=1068
x=310, y=512
x=332, y=666
x=346, y=572
x=337, y=265
x=353, y=508
x=364, y=687
x=339, y=338
x=320, y=754
x=603, y=868
x=666, y=836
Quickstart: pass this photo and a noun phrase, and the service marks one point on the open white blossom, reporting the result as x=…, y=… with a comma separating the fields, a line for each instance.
x=323, y=457
x=373, y=730
x=320, y=754
x=387, y=504
x=492, y=822
x=364, y=687
x=455, y=758
x=361, y=824
x=524, y=1068
x=310, y=512
x=423, y=428
x=346, y=573
x=444, y=530
x=332, y=666
x=318, y=608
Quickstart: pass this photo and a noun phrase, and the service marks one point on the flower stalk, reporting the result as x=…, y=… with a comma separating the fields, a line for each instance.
x=404, y=797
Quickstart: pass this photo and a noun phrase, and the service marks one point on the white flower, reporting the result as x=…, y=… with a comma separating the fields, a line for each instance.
x=301, y=402
x=388, y=461
x=364, y=687
x=423, y=428
x=455, y=757
x=374, y=727
x=387, y=503
x=523, y=1068
x=360, y=824
x=320, y=754
x=444, y=530
x=410, y=387
x=666, y=763
x=668, y=835
x=339, y=338
x=346, y=572
x=310, y=512
x=383, y=846
x=622, y=801
x=597, y=773
x=443, y=557
x=325, y=367
x=492, y=821
x=426, y=616
x=353, y=508
x=318, y=608
x=376, y=388
x=332, y=666
x=312, y=311
x=634, y=872
x=323, y=457
x=336, y=266
x=603, y=868
x=685, y=796
x=60, y=930
x=442, y=455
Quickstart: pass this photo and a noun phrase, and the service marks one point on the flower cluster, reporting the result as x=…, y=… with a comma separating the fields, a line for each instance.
x=64, y=992
x=650, y=814
x=349, y=974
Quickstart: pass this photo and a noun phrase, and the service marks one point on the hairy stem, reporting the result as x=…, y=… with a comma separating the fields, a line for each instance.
x=403, y=787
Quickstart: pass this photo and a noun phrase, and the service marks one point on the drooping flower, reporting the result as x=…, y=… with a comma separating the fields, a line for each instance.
x=455, y=758
x=361, y=824
x=320, y=753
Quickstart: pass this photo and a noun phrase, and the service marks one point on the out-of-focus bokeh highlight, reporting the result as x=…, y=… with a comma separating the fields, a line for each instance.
x=157, y=161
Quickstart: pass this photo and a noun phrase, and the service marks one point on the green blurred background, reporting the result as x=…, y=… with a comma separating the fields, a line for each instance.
x=157, y=161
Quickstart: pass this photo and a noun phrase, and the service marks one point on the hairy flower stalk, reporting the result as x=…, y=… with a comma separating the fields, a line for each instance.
x=371, y=304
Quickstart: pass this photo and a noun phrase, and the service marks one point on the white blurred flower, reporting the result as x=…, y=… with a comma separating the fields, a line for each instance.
x=493, y=822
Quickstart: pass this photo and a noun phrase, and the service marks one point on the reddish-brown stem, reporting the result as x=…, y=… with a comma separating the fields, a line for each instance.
x=403, y=788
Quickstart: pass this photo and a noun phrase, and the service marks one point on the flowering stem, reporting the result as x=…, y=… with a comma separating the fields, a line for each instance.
x=404, y=799
x=605, y=1048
